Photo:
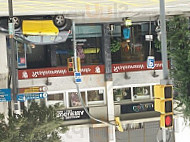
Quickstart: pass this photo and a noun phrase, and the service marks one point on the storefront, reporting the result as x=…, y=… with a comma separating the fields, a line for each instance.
x=90, y=48
x=70, y=99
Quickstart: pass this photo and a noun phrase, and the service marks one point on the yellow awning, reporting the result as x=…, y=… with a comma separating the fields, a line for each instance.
x=91, y=50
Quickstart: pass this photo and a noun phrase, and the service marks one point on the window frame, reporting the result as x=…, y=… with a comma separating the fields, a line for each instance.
x=132, y=86
x=88, y=103
x=52, y=102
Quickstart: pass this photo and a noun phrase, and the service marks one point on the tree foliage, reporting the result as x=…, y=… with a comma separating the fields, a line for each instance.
x=37, y=124
x=178, y=36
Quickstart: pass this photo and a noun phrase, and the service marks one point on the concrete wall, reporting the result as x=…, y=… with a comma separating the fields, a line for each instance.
x=92, y=81
x=138, y=77
x=3, y=71
x=65, y=83
x=76, y=134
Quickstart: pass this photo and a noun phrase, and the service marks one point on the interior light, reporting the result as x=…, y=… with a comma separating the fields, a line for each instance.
x=32, y=45
x=128, y=22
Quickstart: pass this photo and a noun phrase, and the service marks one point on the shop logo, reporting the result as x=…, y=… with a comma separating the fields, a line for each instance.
x=97, y=69
x=24, y=74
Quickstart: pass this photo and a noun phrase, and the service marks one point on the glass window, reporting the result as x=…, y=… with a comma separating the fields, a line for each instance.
x=74, y=100
x=21, y=55
x=55, y=97
x=95, y=95
x=122, y=94
x=89, y=46
x=130, y=44
x=140, y=93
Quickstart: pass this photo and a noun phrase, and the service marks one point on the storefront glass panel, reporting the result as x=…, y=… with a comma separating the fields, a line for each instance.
x=95, y=95
x=122, y=94
x=74, y=100
x=141, y=93
x=55, y=97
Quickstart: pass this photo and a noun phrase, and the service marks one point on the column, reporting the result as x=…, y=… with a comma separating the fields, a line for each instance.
x=3, y=72
x=108, y=81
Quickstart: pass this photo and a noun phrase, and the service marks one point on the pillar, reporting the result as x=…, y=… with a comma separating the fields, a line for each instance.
x=108, y=81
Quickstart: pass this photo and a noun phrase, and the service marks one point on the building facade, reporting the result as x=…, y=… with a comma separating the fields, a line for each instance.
x=115, y=78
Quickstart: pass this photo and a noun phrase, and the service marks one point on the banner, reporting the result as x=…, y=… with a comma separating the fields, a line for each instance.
x=92, y=69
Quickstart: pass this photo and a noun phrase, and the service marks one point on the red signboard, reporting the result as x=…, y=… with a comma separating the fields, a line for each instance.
x=138, y=66
x=93, y=69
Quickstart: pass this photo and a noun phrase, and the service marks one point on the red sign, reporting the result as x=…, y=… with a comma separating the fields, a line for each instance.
x=139, y=66
x=93, y=69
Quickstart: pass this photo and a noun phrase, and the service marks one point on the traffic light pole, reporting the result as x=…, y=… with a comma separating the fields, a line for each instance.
x=164, y=42
x=13, y=63
x=164, y=53
x=74, y=47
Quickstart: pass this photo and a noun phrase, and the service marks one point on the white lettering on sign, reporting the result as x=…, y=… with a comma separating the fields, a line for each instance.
x=97, y=69
x=158, y=65
x=70, y=114
x=24, y=74
x=48, y=72
x=86, y=70
x=125, y=67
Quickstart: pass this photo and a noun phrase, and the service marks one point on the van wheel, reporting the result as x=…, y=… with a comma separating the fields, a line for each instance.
x=59, y=21
x=17, y=22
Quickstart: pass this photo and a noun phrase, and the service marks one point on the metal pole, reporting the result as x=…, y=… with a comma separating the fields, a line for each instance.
x=163, y=40
x=74, y=46
x=150, y=44
x=164, y=134
x=13, y=63
x=164, y=52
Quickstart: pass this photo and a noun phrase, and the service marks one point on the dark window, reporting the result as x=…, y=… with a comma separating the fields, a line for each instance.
x=55, y=97
x=122, y=94
x=95, y=95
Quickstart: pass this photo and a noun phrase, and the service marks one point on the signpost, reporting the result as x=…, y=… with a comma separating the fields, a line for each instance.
x=31, y=93
x=150, y=62
x=5, y=95
x=33, y=89
x=77, y=76
x=31, y=96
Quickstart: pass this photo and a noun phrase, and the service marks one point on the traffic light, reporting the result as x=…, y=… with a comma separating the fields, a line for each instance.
x=70, y=64
x=78, y=64
x=166, y=120
x=163, y=106
x=118, y=124
x=163, y=103
x=163, y=91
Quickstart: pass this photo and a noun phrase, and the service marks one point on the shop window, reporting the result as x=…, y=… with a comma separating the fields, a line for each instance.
x=133, y=47
x=74, y=100
x=121, y=94
x=140, y=93
x=95, y=96
x=21, y=54
x=89, y=46
x=55, y=97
